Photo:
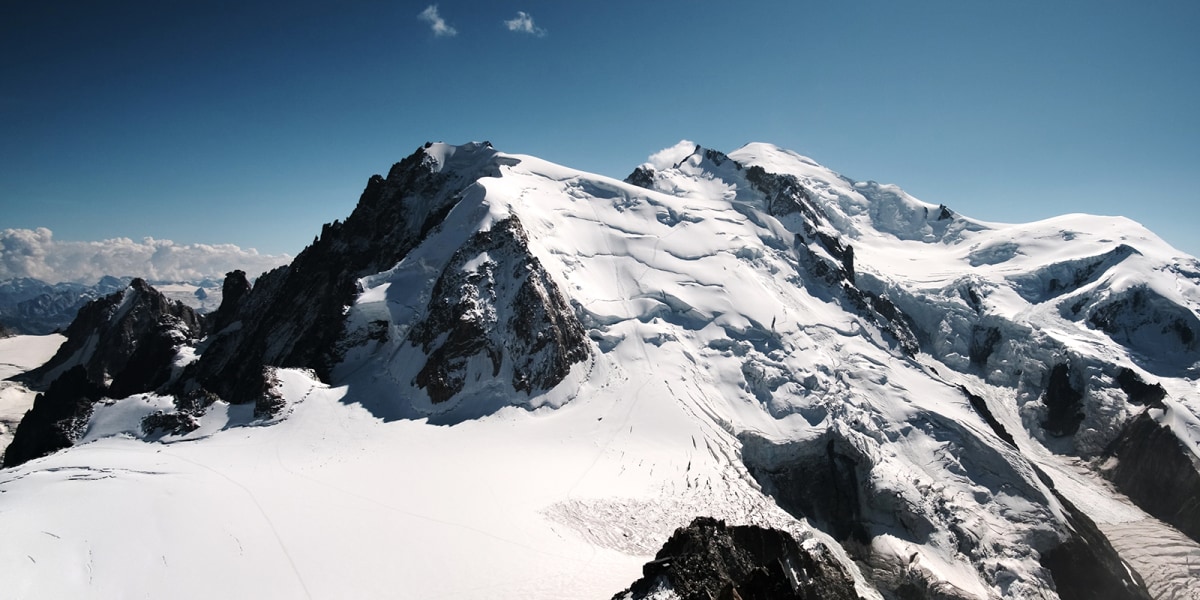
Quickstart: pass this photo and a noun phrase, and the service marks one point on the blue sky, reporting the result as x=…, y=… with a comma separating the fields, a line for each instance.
x=249, y=124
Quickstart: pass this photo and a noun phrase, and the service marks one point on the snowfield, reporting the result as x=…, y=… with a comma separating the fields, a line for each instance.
x=724, y=347
x=17, y=355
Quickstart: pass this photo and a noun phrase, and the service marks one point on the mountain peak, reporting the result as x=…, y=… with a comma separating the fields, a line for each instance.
x=939, y=405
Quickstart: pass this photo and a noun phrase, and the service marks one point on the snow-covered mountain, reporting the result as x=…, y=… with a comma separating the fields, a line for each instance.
x=34, y=307
x=501, y=377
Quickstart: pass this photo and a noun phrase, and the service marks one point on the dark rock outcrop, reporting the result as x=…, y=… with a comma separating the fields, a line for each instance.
x=1140, y=392
x=119, y=345
x=57, y=419
x=505, y=307
x=1064, y=403
x=1158, y=473
x=642, y=177
x=234, y=290
x=126, y=342
x=1085, y=566
x=295, y=315
x=784, y=195
x=1148, y=323
x=709, y=560
x=983, y=343
x=981, y=408
x=821, y=480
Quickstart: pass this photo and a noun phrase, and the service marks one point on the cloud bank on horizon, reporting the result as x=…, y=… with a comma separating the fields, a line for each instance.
x=35, y=253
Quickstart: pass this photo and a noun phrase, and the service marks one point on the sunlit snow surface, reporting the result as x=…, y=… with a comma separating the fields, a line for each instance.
x=17, y=355
x=705, y=327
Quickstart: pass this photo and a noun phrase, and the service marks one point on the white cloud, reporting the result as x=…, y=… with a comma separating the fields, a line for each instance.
x=669, y=157
x=436, y=22
x=523, y=23
x=35, y=253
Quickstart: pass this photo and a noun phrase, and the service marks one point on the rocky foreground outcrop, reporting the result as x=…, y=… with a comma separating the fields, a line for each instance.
x=709, y=560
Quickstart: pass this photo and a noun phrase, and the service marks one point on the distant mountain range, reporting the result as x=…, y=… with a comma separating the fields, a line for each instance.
x=34, y=307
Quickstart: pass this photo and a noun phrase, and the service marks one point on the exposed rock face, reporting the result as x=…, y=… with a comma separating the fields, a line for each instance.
x=494, y=299
x=709, y=560
x=119, y=345
x=58, y=417
x=126, y=341
x=233, y=292
x=821, y=480
x=1140, y=392
x=641, y=177
x=1144, y=321
x=981, y=407
x=983, y=344
x=1158, y=473
x=1085, y=565
x=1064, y=403
x=785, y=195
x=294, y=315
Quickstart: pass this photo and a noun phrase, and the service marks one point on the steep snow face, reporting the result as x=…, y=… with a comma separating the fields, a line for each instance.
x=713, y=283
x=1009, y=302
x=606, y=361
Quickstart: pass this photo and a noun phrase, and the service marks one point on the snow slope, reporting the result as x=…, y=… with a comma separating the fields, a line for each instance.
x=17, y=355
x=725, y=347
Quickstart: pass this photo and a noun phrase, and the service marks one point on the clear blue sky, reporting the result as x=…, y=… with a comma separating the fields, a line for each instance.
x=252, y=122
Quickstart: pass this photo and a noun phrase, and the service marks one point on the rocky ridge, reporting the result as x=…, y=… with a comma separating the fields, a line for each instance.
x=907, y=416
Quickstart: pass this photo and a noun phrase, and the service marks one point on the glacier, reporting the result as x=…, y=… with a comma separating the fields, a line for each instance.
x=503, y=377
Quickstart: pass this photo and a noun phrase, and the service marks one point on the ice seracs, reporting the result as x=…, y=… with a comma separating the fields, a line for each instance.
x=502, y=377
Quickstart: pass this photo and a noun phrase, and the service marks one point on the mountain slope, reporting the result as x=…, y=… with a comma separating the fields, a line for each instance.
x=521, y=378
x=33, y=307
